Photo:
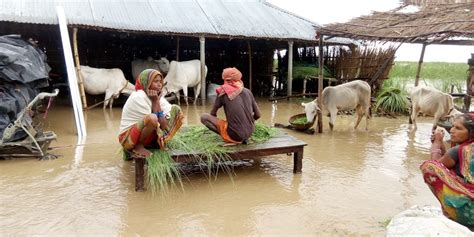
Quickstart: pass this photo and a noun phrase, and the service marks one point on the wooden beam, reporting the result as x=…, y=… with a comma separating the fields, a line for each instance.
x=320, y=82
x=293, y=96
x=469, y=81
x=250, y=65
x=202, y=53
x=290, y=68
x=420, y=62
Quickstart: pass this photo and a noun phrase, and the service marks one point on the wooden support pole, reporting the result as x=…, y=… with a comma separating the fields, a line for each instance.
x=469, y=81
x=298, y=161
x=250, y=65
x=420, y=62
x=80, y=80
x=304, y=85
x=290, y=68
x=177, y=48
x=320, y=83
x=202, y=53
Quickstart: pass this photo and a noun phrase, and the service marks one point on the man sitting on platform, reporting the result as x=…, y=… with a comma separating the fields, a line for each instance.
x=241, y=109
x=148, y=119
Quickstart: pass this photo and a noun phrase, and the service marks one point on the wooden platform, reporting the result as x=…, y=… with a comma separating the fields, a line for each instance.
x=281, y=144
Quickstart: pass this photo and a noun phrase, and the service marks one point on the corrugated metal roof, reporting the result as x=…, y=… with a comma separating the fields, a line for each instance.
x=220, y=18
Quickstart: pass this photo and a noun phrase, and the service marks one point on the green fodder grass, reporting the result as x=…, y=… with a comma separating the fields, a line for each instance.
x=162, y=171
x=262, y=133
x=300, y=121
x=392, y=97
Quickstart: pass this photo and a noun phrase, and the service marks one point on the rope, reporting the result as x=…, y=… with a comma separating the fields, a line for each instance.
x=96, y=104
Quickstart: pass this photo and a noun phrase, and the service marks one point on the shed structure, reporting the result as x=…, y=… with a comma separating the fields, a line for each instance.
x=221, y=33
x=426, y=22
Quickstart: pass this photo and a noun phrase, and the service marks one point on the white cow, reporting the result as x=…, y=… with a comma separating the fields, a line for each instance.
x=430, y=101
x=347, y=96
x=183, y=75
x=109, y=81
x=138, y=65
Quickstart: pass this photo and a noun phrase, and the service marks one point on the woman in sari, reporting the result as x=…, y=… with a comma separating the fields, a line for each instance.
x=450, y=173
x=148, y=119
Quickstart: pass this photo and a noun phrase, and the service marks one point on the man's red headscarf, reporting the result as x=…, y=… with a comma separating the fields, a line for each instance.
x=233, y=84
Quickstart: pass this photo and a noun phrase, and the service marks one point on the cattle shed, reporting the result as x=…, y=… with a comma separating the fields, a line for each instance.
x=449, y=22
x=110, y=34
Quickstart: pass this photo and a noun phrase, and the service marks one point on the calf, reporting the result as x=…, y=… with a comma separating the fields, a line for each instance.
x=112, y=82
x=347, y=96
x=433, y=102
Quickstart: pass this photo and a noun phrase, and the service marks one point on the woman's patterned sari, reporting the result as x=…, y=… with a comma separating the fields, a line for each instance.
x=130, y=137
x=456, y=194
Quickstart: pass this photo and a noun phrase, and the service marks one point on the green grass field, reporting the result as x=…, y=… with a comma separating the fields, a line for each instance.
x=430, y=70
x=437, y=74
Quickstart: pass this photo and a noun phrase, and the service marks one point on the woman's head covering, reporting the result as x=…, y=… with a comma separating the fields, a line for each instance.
x=145, y=78
x=468, y=122
x=233, y=84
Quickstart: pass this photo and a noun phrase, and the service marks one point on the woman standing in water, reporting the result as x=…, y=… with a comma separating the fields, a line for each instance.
x=450, y=173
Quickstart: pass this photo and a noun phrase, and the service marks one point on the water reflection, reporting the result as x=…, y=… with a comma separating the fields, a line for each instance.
x=352, y=181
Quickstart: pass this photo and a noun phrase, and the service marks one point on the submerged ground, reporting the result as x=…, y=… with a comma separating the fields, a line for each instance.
x=353, y=183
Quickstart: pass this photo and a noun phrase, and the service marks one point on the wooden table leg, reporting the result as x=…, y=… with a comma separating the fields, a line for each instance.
x=139, y=174
x=298, y=161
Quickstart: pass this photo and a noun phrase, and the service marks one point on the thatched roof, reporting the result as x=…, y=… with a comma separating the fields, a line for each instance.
x=416, y=21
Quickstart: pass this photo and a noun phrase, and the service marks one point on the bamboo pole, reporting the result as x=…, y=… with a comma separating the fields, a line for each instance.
x=320, y=83
x=250, y=65
x=417, y=80
x=78, y=69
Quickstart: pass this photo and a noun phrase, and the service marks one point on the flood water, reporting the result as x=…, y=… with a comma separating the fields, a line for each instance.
x=353, y=182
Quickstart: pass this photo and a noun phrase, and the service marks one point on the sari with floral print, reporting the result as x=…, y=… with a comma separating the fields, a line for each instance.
x=455, y=193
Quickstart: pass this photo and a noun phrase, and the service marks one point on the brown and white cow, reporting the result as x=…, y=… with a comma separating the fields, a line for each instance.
x=347, y=96
x=430, y=101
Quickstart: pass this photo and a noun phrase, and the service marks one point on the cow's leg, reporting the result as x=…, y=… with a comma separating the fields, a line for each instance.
x=197, y=91
x=367, y=116
x=111, y=102
x=359, y=113
x=332, y=118
x=178, y=97
x=108, y=98
x=437, y=117
x=185, y=92
x=414, y=114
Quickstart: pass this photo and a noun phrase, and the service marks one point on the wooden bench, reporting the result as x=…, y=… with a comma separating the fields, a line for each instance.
x=280, y=144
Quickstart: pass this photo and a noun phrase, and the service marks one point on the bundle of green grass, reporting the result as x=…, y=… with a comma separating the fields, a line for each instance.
x=162, y=171
x=300, y=121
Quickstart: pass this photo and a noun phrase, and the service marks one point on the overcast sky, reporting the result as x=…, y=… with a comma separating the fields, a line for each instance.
x=324, y=12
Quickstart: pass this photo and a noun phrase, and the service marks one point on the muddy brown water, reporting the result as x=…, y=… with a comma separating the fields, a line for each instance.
x=353, y=183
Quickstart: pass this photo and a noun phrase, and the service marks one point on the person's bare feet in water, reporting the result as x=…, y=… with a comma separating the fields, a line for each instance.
x=140, y=152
